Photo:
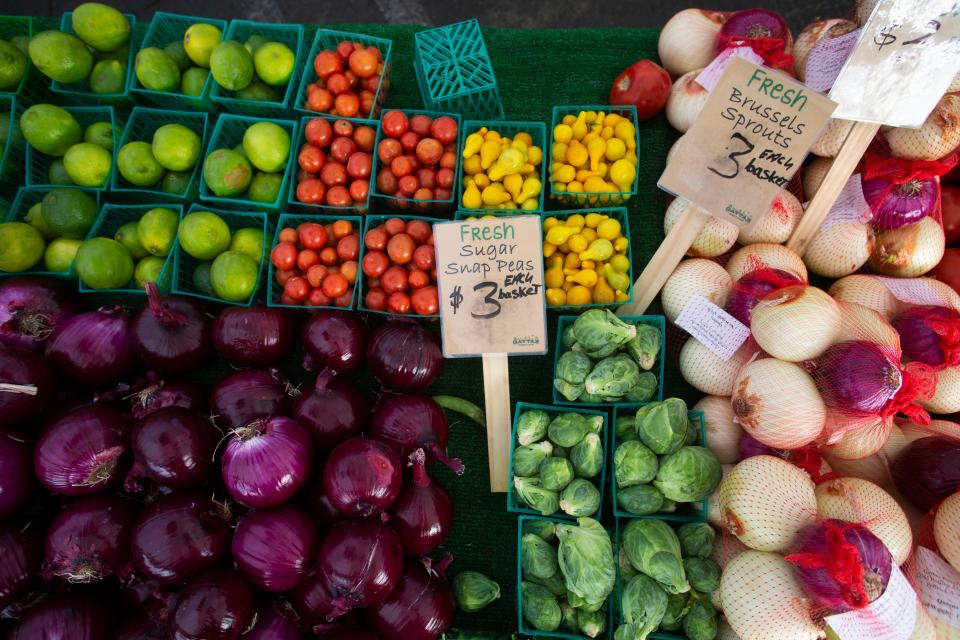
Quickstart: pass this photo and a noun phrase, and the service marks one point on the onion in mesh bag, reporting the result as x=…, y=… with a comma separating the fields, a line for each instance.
x=852, y=437
x=946, y=524
x=833, y=136
x=795, y=323
x=938, y=136
x=910, y=251
x=869, y=291
x=686, y=100
x=715, y=238
x=766, y=256
x=705, y=371
x=812, y=34
x=930, y=334
x=839, y=249
x=754, y=287
x=946, y=399
x=814, y=172
x=778, y=224
x=692, y=278
x=723, y=433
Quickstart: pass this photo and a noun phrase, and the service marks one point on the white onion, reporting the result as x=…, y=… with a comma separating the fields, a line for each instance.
x=723, y=434
x=686, y=100
x=946, y=399
x=912, y=432
x=688, y=40
x=692, y=278
x=868, y=291
x=863, y=323
x=833, y=136
x=796, y=323
x=840, y=249
x=858, y=437
x=896, y=443
x=713, y=501
x=814, y=33
x=778, y=404
x=706, y=372
x=716, y=237
x=863, y=502
x=765, y=501
x=813, y=174
x=778, y=224
x=765, y=256
x=909, y=251
x=946, y=530
x=762, y=599
x=862, y=10
x=872, y=468
x=726, y=547
x=937, y=137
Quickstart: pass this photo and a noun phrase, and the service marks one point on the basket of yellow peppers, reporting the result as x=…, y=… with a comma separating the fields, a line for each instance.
x=587, y=258
x=502, y=166
x=593, y=155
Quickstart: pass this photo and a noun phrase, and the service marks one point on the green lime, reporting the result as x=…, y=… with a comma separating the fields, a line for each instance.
x=88, y=164
x=234, y=276
x=35, y=219
x=104, y=263
x=265, y=187
x=248, y=240
x=199, y=42
x=100, y=133
x=128, y=236
x=156, y=70
x=258, y=91
x=60, y=254
x=176, y=51
x=274, y=63
x=239, y=149
x=176, y=147
x=194, y=80
x=69, y=212
x=227, y=173
x=231, y=65
x=57, y=173
x=201, y=279
x=21, y=246
x=158, y=230
x=61, y=56
x=175, y=182
x=254, y=42
x=267, y=146
x=13, y=64
x=108, y=76
x=203, y=235
x=102, y=27
x=136, y=164
x=148, y=270
x=21, y=42
x=50, y=129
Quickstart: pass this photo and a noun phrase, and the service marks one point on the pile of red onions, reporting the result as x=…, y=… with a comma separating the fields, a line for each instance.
x=217, y=604
x=173, y=447
x=90, y=539
x=171, y=335
x=247, y=395
x=334, y=339
x=423, y=512
x=27, y=385
x=333, y=411
x=897, y=205
x=267, y=461
x=274, y=547
x=404, y=356
x=754, y=287
x=930, y=335
x=420, y=608
x=152, y=394
x=93, y=349
x=927, y=471
x=857, y=377
x=32, y=308
x=362, y=477
x=412, y=422
x=253, y=336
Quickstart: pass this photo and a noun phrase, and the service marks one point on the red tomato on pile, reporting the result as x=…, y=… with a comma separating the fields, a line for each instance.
x=398, y=268
x=316, y=264
x=347, y=81
x=336, y=163
x=417, y=156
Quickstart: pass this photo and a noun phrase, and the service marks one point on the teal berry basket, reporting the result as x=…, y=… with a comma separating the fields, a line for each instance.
x=291, y=35
x=658, y=366
x=14, y=146
x=228, y=133
x=114, y=216
x=33, y=87
x=434, y=205
x=184, y=264
x=275, y=289
x=38, y=164
x=595, y=199
x=322, y=208
x=80, y=93
x=454, y=71
x=370, y=222
x=26, y=198
x=514, y=504
x=327, y=40
x=166, y=28
x=537, y=132
x=687, y=511
x=525, y=627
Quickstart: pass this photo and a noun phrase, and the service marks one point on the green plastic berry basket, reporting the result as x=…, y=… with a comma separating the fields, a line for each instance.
x=538, y=134
x=79, y=93
x=33, y=87
x=228, y=133
x=27, y=197
x=274, y=289
x=454, y=71
x=686, y=512
x=658, y=366
x=184, y=264
x=292, y=35
x=514, y=504
x=327, y=40
x=433, y=205
x=114, y=216
x=13, y=151
x=166, y=28
x=141, y=125
x=38, y=164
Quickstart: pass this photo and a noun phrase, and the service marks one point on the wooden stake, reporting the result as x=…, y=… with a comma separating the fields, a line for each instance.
x=855, y=145
x=496, y=391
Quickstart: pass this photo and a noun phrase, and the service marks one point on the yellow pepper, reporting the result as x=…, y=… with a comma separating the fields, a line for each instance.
x=595, y=149
x=576, y=220
x=530, y=189
x=481, y=180
x=549, y=249
x=621, y=296
x=559, y=152
x=534, y=155
x=513, y=183
x=579, y=127
x=524, y=137
x=577, y=154
x=471, y=166
x=553, y=277
x=589, y=234
x=531, y=204
x=495, y=195
x=549, y=222
x=571, y=261
x=564, y=173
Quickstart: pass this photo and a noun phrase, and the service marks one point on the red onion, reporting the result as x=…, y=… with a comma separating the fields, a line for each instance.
x=273, y=547
x=334, y=339
x=152, y=394
x=172, y=447
x=362, y=477
x=31, y=309
x=179, y=535
x=27, y=385
x=750, y=447
x=267, y=461
x=350, y=632
x=90, y=539
x=842, y=566
x=16, y=472
x=897, y=205
x=927, y=471
x=253, y=336
x=754, y=287
x=79, y=453
x=360, y=561
x=273, y=624
x=248, y=395
x=217, y=605
x=22, y=556
x=332, y=412
x=93, y=349
x=857, y=377
x=311, y=600
x=404, y=356
x=930, y=335
x=412, y=422
x=420, y=608
x=171, y=335
x=140, y=629
x=68, y=616
x=423, y=513
x=319, y=504
x=763, y=31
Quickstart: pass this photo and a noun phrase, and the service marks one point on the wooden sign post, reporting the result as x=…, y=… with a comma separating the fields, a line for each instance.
x=490, y=282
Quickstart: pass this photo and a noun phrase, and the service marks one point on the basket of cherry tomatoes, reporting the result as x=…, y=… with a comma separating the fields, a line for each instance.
x=399, y=274
x=336, y=163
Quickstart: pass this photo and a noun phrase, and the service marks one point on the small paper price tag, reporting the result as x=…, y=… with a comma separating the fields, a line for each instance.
x=827, y=58
x=715, y=328
x=710, y=76
x=892, y=616
x=938, y=585
x=850, y=206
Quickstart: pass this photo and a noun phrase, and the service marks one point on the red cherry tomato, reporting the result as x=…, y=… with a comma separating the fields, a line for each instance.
x=344, y=300
x=401, y=166
x=948, y=270
x=375, y=299
x=339, y=196
x=297, y=288
x=400, y=248
x=348, y=247
x=347, y=105
x=365, y=137
x=331, y=239
x=394, y=279
x=334, y=285
x=372, y=83
x=388, y=149
x=326, y=64
x=311, y=191
x=366, y=104
x=448, y=160
x=316, y=298
x=288, y=235
x=427, y=178
x=374, y=263
x=415, y=164
x=284, y=255
x=287, y=300
x=342, y=148
x=429, y=151
x=349, y=270
x=425, y=301
x=310, y=158
x=352, y=78
x=418, y=279
x=408, y=185
x=312, y=235
x=338, y=84
x=386, y=182
x=359, y=165
x=282, y=275
x=376, y=239
x=319, y=100
x=319, y=132
x=328, y=257
x=419, y=230
x=423, y=257
x=359, y=190
x=395, y=226
x=342, y=228
x=398, y=302
x=442, y=193
x=304, y=175
x=420, y=124
x=344, y=49
x=315, y=274
x=306, y=259
x=409, y=141
x=644, y=84
x=445, y=178
x=444, y=129
x=333, y=174
x=394, y=123
x=343, y=128
x=950, y=204
x=363, y=63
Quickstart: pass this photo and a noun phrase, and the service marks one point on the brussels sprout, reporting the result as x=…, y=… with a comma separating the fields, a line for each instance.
x=537, y=557
x=567, y=429
x=703, y=574
x=690, y=474
x=536, y=497
x=587, y=456
x=700, y=622
x=642, y=605
x=569, y=620
x=573, y=367
x=640, y=500
x=662, y=426
x=539, y=607
x=532, y=426
x=644, y=389
x=594, y=423
x=623, y=564
x=626, y=428
x=543, y=528
x=676, y=608
x=580, y=498
x=634, y=463
x=591, y=398
x=561, y=452
x=653, y=549
x=568, y=338
x=569, y=391
x=554, y=584
x=612, y=377
x=693, y=434
x=591, y=623
x=580, y=604
x=669, y=506
x=586, y=560
x=473, y=591
x=598, y=328
x=696, y=539
x=645, y=346
x=555, y=473
x=598, y=354
x=527, y=458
